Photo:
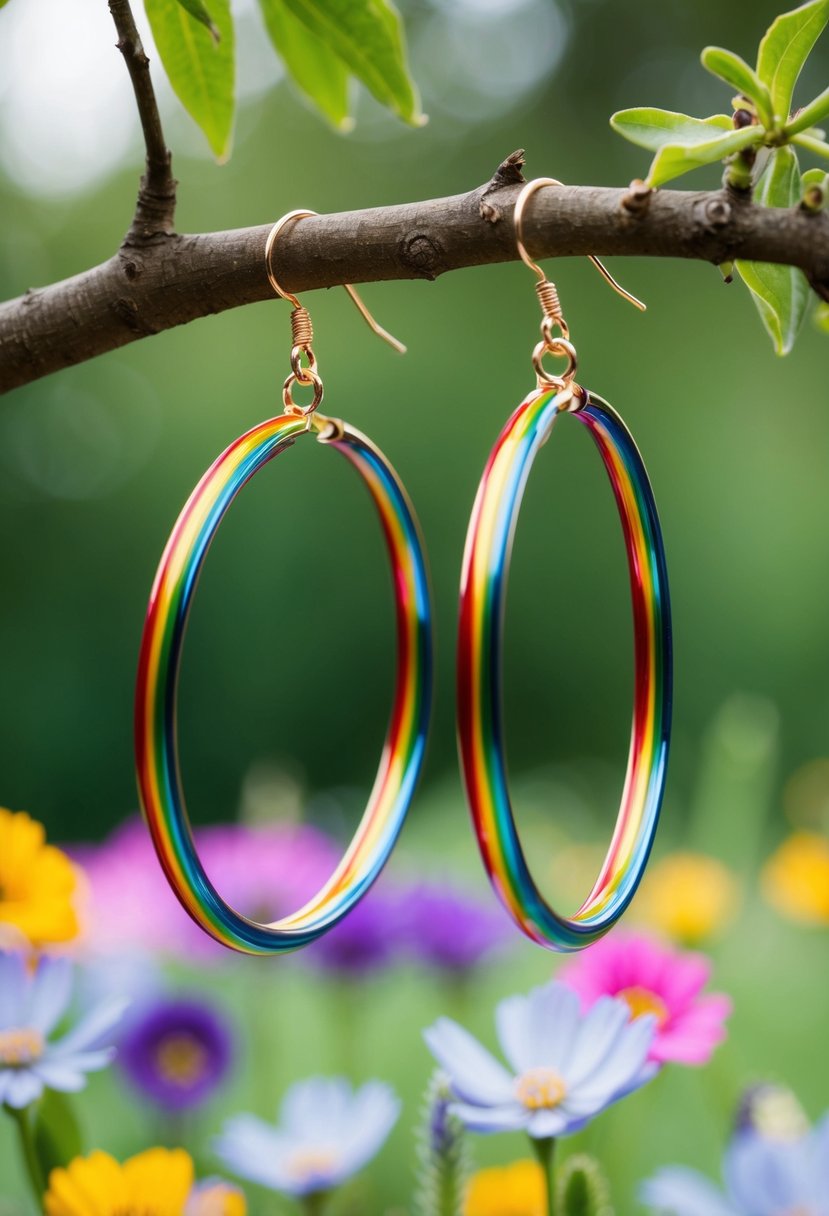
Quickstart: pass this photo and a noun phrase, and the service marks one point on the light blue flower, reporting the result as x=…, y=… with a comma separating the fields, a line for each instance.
x=567, y=1066
x=32, y=1002
x=763, y=1177
x=326, y=1132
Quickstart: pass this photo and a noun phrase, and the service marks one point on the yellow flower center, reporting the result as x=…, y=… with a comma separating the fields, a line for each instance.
x=540, y=1089
x=312, y=1162
x=640, y=1001
x=181, y=1059
x=20, y=1047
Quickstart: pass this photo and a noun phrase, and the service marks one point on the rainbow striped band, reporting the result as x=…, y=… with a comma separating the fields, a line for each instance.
x=480, y=713
x=156, y=746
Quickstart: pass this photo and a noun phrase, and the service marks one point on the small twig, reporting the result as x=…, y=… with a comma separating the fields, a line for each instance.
x=156, y=204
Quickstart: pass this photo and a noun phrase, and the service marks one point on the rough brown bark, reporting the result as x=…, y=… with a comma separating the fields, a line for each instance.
x=158, y=280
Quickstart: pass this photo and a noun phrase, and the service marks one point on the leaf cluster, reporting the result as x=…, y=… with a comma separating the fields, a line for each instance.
x=323, y=45
x=763, y=130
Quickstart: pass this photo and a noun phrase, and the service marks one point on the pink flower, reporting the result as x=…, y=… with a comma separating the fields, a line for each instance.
x=656, y=979
x=264, y=872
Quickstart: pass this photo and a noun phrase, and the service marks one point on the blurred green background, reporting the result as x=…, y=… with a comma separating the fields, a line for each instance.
x=96, y=462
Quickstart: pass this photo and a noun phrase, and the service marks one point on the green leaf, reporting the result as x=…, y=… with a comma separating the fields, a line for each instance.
x=651, y=128
x=810, y=114
x=367, y=35
x=200, y=69
x=736, y=72
x=311, y=63
x=785, y=48
x=674, y=159
x=818, y=146
x=57, y=1134
x=196, y=9
x=781, y=293
x=821, y=317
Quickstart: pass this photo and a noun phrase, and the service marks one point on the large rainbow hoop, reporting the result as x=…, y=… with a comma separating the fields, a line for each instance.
x=480, y=712
x=156, y=744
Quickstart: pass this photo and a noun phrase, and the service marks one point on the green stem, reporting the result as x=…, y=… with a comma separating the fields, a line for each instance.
x=544, y=1150
x=27, y=1149
x=314, y=1204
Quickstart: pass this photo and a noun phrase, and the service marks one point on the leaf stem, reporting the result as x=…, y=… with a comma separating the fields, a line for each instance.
x=544, y=1151
x=28, y=1152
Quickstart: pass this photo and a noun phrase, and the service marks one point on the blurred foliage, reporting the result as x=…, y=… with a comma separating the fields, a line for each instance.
x=290, y=649
x=763, y=120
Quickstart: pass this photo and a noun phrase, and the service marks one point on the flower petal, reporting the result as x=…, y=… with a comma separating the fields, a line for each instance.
x=22, y=1087
x=374, y=1110
x=505, y=1117
x=597, y=1035
x=539, y=1030
x=618, y=1071
x=49, y=994
x=91, y=1028
x=544, y=1124
x=475, y=1074
x=14, y=987
x=766, y=1176
x=677, y=1191
x=256, y=1150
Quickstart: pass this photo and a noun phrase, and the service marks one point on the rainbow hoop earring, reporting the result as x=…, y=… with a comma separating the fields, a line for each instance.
x=156, y=744
x=483, y=585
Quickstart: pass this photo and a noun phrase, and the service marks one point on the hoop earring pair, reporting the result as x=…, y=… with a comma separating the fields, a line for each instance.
x=485, y=570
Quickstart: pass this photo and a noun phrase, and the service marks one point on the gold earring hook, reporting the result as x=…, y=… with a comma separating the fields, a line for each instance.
x=518, y=220
x=292, y=299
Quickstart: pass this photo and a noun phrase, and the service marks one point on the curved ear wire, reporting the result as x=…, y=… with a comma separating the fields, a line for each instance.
x=518, y=219
x=292, y=299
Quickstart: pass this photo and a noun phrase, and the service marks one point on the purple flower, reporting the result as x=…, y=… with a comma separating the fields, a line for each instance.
x=365, y=940
x=449, y=929
x=263, y=872
x=177, y=1052
x=32, y=1003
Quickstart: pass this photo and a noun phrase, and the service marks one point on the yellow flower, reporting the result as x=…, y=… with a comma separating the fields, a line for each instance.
x=796, y=878
x=157, y=1182
x=512, y=1190
x=37, y=885
x=687, y=896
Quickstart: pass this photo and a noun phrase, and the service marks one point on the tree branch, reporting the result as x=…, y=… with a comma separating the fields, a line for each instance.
x=174, y=279
x=156, y=204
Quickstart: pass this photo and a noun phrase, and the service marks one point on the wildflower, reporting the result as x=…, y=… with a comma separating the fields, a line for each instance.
x=566, y=1066
x=37, y=885
x=450, y=930
x=688, y=896
x=176, y=1052
x=158, y=1182
x=326, y=1133
x=32, y=1002
x=263, y=872
x=652, y=978
x=796, y=878
x=763, y=1177
x=511, y=1190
